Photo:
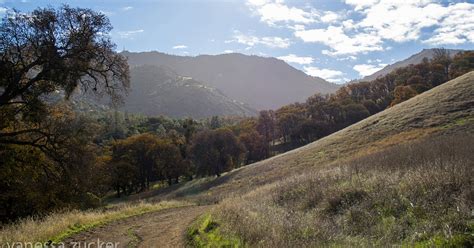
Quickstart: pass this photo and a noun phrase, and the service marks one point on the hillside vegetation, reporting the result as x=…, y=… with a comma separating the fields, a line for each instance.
x=447, y=108
x=401, y=176
x=413, y=194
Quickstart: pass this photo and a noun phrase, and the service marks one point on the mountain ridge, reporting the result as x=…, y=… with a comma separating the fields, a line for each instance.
x=261, y=82
x=158, y=90
x=413, y=59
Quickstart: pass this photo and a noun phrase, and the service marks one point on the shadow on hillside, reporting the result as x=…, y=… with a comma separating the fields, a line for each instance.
x=190, y=190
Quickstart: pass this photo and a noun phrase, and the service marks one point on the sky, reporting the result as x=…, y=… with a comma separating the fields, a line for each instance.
x=338, y=40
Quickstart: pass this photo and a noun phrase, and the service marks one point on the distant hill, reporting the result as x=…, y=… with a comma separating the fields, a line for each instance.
x=262, y=83
x=414, y=59
x=157, y=90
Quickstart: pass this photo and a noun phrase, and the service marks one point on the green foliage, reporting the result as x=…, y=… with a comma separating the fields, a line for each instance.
x=62, y=56
x=458, y=240
x=215, y=151
x=141, y=159
x=38, y=179
x=297, y=124
x=46, y=150
x=206, y=232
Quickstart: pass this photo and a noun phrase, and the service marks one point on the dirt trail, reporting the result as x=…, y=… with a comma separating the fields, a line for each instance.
x=165, y=228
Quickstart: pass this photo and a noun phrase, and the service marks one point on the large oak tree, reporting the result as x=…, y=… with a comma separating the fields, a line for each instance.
x=53, y=50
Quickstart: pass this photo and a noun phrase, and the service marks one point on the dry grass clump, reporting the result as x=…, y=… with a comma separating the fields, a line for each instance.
x=416, y=193
x=57, y=226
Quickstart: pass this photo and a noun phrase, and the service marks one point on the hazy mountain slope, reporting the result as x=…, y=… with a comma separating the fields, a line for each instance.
x=414, y=59
x=160, y=91
x=263, y=83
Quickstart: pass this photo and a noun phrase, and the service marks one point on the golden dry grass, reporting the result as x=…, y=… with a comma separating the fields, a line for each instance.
x=340, y=190
x=410, y=194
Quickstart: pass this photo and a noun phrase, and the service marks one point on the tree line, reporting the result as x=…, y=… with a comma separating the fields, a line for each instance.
x=175, y=150
x=301, y=123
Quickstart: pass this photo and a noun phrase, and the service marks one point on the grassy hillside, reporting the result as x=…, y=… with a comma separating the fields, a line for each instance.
x=345, y=181
x=448, y=108
x=412, y=194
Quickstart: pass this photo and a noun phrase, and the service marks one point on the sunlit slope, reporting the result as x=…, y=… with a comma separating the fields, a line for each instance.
x=448, y=108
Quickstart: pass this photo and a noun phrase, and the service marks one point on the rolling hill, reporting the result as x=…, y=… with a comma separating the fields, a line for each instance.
x=262, y=83
x=278, y=201
x=427, y=114
x=156, y=90
x=414, y=59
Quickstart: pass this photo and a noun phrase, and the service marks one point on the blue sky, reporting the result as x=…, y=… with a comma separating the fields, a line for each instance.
x=337, y=40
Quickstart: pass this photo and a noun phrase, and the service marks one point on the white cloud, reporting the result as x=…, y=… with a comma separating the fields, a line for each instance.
x=275, y=42
x=347, y=58
x=107, y=13
x=368, y=69
x=129, y=34
x=348, y=24
x=360, y=4
x=329, y=16
x=370, y=61
x=3, y=10
x=276, y=11
x=339, y=42
x=180, y=47
x=228, y=51
x=374, y=23
x=296, y=27
x=456, y=27
x=127, y=8
x=272, y=12
x=333, y=76
x=250, y=40
x=257, y=2
x=400, y=21
x=291, y=58
x=390, y=20
x=403, y=21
